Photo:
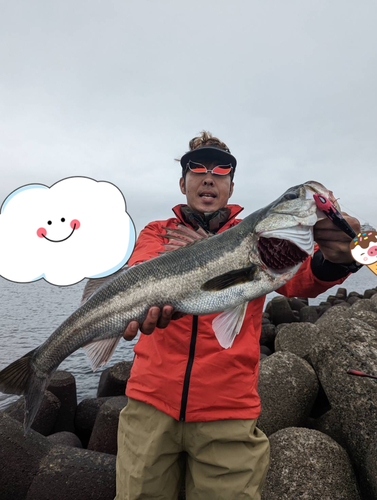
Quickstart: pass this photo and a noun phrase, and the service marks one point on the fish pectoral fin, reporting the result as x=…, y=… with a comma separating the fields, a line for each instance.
x=228, y=324
x=232, y=278
x=99, y=352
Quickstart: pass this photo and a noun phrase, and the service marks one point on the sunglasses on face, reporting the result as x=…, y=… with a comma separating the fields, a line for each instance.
x=198, y=168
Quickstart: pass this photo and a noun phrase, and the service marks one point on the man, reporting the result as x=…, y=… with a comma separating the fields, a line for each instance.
x=186, y=393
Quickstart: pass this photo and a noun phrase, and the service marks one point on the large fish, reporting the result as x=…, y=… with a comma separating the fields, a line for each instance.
x=219, y=273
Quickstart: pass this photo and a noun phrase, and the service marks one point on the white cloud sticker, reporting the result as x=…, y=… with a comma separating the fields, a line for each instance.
x=78, y=228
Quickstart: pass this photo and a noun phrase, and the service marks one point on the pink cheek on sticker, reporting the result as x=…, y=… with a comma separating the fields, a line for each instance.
x=41, y=232
x=372, y=251
x=73, y=222
x=365, y=259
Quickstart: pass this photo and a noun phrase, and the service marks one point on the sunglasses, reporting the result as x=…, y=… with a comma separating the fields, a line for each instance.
x=198, y=168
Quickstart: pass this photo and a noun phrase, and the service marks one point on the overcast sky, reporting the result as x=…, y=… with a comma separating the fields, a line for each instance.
x=114, y=90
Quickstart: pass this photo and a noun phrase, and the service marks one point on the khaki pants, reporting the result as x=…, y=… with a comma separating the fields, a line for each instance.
x=226, y=459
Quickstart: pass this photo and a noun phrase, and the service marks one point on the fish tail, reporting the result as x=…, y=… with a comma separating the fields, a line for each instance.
x=20, y=378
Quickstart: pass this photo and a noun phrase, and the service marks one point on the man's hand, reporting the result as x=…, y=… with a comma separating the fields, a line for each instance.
x=154, y=319
x=333, y=242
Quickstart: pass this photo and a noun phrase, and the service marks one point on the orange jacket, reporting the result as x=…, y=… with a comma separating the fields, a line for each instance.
x=182, y=370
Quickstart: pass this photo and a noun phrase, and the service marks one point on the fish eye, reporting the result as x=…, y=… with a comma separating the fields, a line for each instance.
x=49, y=223
x=62, y=219
x=290, y=195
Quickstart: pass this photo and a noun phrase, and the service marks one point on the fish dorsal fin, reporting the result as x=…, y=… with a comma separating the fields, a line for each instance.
x=182, y=236
x=99, y=352
x=228, y=324
x=184, y=233
x=232, y=278
x=93, y=284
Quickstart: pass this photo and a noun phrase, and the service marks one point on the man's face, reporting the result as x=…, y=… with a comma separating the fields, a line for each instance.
x=206, y=192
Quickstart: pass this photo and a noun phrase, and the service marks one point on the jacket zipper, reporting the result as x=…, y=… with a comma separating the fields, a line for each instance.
x=186, y=381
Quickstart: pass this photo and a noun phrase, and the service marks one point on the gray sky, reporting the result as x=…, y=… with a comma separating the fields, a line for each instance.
x=114, y=90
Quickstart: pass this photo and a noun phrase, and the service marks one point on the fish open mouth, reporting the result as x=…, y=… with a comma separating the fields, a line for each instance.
x=280, y=254
x=284, y=248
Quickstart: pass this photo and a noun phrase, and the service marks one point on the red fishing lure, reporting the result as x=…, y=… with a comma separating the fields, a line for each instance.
x=361, y=374
x=333, y=214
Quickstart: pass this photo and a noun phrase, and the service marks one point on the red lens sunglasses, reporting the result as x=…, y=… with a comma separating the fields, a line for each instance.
x=198, y=168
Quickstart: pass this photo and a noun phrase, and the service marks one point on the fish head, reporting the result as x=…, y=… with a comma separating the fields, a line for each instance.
x=284, y=230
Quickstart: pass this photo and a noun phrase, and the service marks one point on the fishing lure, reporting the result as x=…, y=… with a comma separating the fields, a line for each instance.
x=329, y=209
x=361, y=374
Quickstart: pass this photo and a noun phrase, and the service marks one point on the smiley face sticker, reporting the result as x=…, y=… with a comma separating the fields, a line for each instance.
x=77, y=228
x=364, y=249
x=42, y=233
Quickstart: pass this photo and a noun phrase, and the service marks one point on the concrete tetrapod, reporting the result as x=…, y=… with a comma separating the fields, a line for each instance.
x=288, y=388
x=347, y=342
x=308, y=465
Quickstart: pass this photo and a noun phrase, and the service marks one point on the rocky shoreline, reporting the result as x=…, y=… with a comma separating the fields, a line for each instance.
x=321, y=421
